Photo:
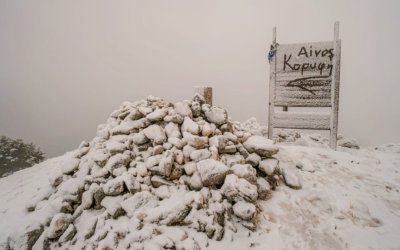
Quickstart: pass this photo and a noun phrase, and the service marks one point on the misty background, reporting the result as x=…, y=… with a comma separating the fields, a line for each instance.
x=66, y=65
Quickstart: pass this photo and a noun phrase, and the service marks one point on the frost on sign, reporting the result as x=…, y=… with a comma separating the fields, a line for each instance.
x=304, y=74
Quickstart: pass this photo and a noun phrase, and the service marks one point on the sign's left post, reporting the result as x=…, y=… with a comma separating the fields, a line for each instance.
x=272, y=78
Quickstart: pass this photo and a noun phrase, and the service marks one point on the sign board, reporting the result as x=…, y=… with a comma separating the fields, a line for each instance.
x=305, y=75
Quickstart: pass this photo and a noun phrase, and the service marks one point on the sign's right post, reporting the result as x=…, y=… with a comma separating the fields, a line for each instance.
x=335, y=88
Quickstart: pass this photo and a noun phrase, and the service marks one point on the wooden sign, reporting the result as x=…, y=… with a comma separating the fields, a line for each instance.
x=305, y=75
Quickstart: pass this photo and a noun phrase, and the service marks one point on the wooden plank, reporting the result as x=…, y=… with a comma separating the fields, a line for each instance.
x=289, y=55
x=288, y=99
x=301, y=120
x=271, y=101
x=315, y=94
x=335, y=88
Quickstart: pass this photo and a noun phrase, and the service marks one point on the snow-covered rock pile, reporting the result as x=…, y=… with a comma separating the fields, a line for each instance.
x=153, y=167
x=252, y=126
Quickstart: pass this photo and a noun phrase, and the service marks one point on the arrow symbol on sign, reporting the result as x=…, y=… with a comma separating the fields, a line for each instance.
x=302, y=83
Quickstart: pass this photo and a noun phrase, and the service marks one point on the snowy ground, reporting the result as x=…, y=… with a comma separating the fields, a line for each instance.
x=350, y=200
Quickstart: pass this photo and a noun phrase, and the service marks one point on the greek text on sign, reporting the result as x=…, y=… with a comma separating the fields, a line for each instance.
x=304, y=74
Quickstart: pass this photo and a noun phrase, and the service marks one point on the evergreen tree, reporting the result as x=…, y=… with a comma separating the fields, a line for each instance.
x=16, y=155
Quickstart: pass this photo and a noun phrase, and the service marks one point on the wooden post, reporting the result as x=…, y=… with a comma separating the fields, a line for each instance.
x=272, y=72
x=206, y=92
x=335, y=87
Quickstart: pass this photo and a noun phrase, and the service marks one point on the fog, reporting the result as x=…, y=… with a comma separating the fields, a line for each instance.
x=65, y=65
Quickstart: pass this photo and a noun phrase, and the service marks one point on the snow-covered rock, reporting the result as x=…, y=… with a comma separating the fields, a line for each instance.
x=190, y=126
x=269, y=166
x=207, y=129
x=157, y=115
x=237, y=189
x=115, y=147
x=231, y=160
x=212, y=172
x=128, y=127
x=68, y=166
x=200, y=154
x=138, y=200
x=306, y=165
x=155, y=133
x=291, y=179
x=263, y=188
x=261, y=146
x=68, y=234
x=245, y=171
x=218, y=141
x=182, y=109
x=348, y=143
x=130, y=182
x=195, y=182
x=117, y=161
x=114, y=186
x=157, y=181
x=58, y=225
x=244, y=210
x=190, y=168
x=140, y=138
x=176, y=142
x=112, y=204
x=217, y=115
x=195, y=141
x=172, y=130
x=253, y=159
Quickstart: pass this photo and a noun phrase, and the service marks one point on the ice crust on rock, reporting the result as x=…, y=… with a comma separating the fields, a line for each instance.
x=154, y=165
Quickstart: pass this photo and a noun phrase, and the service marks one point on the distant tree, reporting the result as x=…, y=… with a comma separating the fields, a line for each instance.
x=16, y=155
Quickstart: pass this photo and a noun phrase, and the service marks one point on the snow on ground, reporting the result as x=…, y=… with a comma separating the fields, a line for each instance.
x=350, y=201
x=18, y=192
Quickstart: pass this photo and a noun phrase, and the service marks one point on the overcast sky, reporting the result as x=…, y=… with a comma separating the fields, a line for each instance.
x=65, y=65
